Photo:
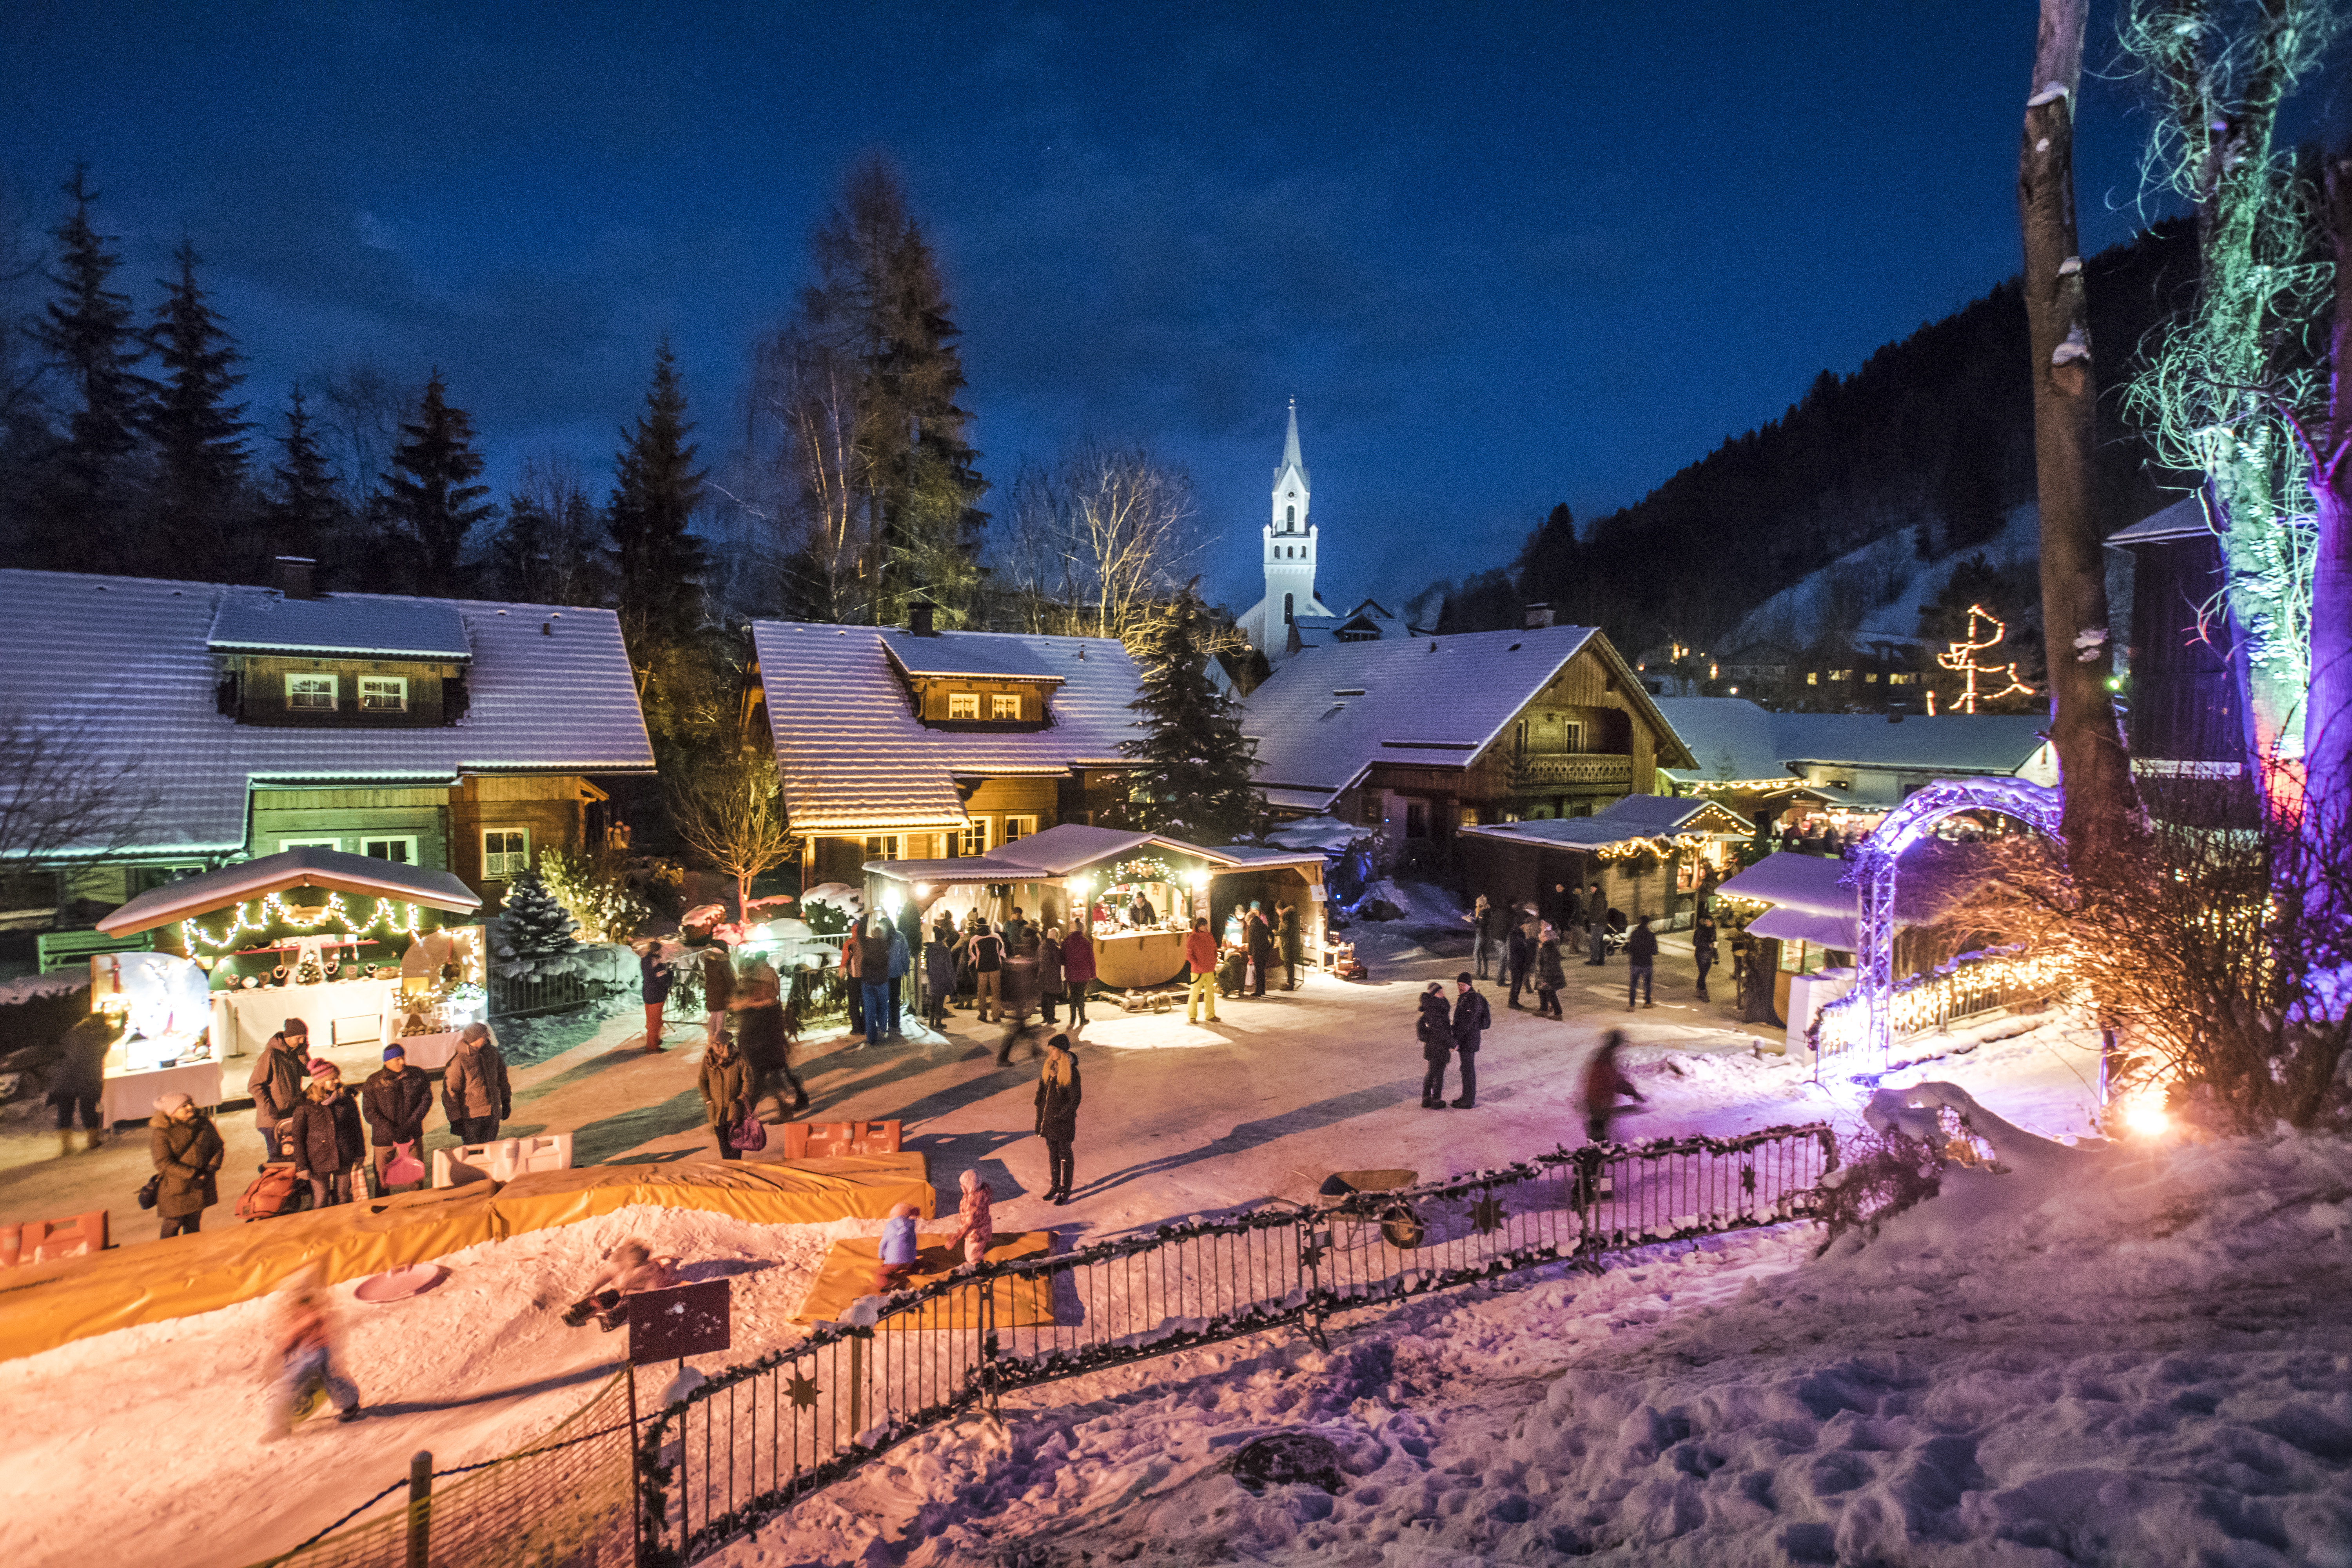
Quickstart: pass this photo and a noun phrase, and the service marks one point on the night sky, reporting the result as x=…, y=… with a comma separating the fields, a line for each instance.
x=1503, y=256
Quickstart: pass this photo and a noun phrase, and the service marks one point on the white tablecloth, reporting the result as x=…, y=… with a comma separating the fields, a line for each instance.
x=340, y=1013
x=131, y=1096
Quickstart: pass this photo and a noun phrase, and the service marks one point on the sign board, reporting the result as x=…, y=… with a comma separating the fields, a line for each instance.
x=682, y=1321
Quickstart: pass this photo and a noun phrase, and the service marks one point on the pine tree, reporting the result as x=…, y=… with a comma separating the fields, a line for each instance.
x=88, y=332
x=431, y=501
x=307, y=507
x=661, y=563
x=534, y=937
x=199, y=440
x=1192, y=768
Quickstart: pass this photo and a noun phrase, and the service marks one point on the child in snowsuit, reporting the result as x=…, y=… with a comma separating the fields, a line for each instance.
x=979, y=1226
x=899, y=1248
x=306, y=1356
x=633, y=1267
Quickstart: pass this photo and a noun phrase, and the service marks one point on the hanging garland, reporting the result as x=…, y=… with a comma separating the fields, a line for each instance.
x=275, y=912
x=1627, y=849
x=1145, y=870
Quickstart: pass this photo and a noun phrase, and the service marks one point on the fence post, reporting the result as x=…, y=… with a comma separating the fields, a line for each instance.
x=420, y=1510
x=857, y=1383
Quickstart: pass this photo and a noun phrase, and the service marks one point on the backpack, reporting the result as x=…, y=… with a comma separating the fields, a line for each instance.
x=272, y=1193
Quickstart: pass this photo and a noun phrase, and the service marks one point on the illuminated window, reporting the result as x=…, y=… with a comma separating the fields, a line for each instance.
x=1840, y=675
x=964, y=704
x=1870, y=678
x=506, y=853
x=1019, y=827
x=1813, y=677
x=975, y=836
x=881, y=847
x=1004, y=705
x=1900, y=677
x=310, y=693
x=383, y=694
x=399, y=851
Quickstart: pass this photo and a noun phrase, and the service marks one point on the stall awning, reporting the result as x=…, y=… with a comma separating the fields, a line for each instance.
x=1804, y=925
x=1814, y=884
x=328, y=869
x=1057, y=851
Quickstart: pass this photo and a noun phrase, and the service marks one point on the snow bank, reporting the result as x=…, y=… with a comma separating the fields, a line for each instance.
x=1327, y=834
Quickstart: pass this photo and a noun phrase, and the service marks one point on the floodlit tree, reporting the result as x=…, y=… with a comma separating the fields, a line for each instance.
x=430, y=498
x=655, y=492
x=1097, y=542
x=533, y=935
x=2100, y=803
x=199, y=437
x=1192, y=768
x=729, y=807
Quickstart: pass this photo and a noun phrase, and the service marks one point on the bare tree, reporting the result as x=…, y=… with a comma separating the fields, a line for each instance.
x=366, y=404
x=1097, y=539
x=61, y=797
x=730, y=809
x=2100, y=803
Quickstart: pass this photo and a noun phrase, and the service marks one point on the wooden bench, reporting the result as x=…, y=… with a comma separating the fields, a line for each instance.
x=64, y=948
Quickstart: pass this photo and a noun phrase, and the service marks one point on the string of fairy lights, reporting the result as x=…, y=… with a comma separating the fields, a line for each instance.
x=1927, y=1000
x=273, y=913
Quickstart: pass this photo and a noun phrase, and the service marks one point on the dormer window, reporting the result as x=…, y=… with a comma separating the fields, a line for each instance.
x=1004, y=705
x=310, y=693
x=964, y=704
x=383, y=694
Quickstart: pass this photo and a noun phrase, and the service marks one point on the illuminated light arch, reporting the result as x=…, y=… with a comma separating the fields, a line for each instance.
x=2037, y=806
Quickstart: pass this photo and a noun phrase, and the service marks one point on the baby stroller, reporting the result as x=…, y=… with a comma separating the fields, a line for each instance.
x=1612, y=932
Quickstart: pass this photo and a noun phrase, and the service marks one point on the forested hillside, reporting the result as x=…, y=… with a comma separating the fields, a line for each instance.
x=1933, y=435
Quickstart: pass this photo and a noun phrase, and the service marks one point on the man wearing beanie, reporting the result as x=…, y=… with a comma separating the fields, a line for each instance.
x=1472, y=1018
x=395, y=1101
x=277, y=1084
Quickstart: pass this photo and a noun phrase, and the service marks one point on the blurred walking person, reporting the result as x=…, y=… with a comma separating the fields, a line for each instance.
x=1020, y=987
x=1604, y=1084
x=1641, y=962
x=655, y=977
x=1078, y=965
x=78, y=1083
x=1518, y=961
x=1057, y=1115
x=1550, y=975
x=1049, y=973
x=764, y=1031
x=729, y=1086
x=1703, y=950
x=306, y=1356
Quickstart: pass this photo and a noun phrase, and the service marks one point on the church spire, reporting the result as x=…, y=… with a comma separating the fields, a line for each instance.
x=1290, y=457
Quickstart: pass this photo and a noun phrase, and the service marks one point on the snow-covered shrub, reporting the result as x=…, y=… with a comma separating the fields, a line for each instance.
x=596, y=886
x=830, y=907
x=1880, y=1174
x=533, y=938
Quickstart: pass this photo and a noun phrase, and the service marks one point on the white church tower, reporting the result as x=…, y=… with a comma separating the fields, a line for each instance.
x=1289, y=546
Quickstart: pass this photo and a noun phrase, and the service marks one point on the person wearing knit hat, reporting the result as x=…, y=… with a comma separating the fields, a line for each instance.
x=187, y=1153
x=326, y=1139
x=395, y=1101
x=276, y=1084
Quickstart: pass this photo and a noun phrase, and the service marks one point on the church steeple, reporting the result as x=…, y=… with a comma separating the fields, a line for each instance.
x=1290, y=487
x=1290, y=457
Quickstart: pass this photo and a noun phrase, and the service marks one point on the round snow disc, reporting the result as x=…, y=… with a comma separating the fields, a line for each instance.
x=399, y=1284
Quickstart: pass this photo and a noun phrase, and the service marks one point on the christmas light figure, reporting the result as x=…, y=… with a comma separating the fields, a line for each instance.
x=1962, y=659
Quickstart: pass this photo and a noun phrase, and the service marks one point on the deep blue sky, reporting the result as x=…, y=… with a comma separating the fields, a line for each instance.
x=1503, y=254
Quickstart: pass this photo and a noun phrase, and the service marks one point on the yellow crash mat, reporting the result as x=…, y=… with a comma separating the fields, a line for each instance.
x=852, y=1268
x=45, y=1305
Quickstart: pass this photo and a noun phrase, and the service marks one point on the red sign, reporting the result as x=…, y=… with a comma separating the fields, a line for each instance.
x=682, y=1321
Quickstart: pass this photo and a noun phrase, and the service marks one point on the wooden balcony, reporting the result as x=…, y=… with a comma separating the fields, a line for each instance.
x=1539, y=770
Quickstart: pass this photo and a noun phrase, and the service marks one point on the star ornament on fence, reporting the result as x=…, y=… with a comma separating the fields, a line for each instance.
x=803, y=1392
x=1486, y=1214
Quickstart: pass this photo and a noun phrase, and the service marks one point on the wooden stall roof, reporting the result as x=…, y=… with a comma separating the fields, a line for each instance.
x=308, y=867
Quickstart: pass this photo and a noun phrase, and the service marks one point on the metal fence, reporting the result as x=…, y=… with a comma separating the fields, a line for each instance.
x=752, y=1441
x=1963, y=987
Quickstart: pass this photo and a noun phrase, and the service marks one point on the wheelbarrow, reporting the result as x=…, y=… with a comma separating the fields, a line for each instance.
x=1398, y=1224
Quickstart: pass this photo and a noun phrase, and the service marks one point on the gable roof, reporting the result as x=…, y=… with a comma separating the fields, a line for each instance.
x=125, y=666
x=979, y=654
x=1071, y=847
x=1731, y=732
x=367, y=624
x=1636, y=816
x=288, y=868
x=855, y=758
x=1328, y=713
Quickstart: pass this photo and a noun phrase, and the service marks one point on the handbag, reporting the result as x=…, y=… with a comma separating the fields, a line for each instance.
x=747, y=1136
x=152, y=1194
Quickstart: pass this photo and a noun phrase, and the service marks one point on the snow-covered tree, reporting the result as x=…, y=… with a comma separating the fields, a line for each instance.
x=534, y=937
x=1192, y=768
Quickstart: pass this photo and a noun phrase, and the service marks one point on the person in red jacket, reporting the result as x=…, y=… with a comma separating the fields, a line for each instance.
x=1078, y=967
x=1200, y=953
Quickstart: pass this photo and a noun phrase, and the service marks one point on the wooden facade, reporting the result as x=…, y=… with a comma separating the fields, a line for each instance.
x=1003, y=808
x=361, y=693
x=443, y=829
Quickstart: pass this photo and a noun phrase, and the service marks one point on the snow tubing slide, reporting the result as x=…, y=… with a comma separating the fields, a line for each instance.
x=1021, y=1301
x=45, y=1305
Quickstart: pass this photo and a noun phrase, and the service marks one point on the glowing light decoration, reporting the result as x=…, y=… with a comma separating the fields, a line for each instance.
x=276, y=911
x=1926, y=1000
x=1962, y=659
x=1872, y=872
x=1664, y=848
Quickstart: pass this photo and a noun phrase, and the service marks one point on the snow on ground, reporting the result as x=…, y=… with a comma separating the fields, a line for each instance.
x=25, y=987
x=2144, y=1361
x=138, y=1429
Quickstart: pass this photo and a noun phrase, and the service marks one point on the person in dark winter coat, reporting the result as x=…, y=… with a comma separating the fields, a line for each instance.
x=1049, y=973
x=1286, y=930
x=1483, y=923
x=327, y=1141
x=729, y=1087
x=1020, y=1001
x=764, y=1031
x=655, y=978
x=395, y=1099
x=1435, y=1028
x=1079, y=966
x=1550, y=975
x=939, y=979
x=187, y=1153
x=475, y=1088
x=1518, y=961
x=1057, y=1115
x=1641, y=962
x=985, y=950
x=1604, y=1083
x=79, y=1080
x=1596, y=922
x=875, y=944
x=1703, y=950
x=1472, y=1018
x=276, y=1083
x=1261, y=946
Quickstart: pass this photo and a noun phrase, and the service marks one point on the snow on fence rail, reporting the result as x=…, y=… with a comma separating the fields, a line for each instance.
x=753, y=1441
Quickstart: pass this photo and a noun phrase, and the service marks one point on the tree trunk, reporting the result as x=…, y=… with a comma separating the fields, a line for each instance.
x=2100, y=802
x=2328, y=718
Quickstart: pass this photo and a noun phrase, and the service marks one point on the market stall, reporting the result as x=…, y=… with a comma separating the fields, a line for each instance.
x=1138, y=892
x=354, y=946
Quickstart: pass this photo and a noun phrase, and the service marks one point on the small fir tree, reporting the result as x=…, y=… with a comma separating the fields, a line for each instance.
x=431, y=499
x=1192, y=768
x=534, y=936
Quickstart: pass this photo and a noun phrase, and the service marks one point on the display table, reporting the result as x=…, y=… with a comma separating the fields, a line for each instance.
x=340, y=1013
x=428, y=1053
x=1134, y=961
x=131, y=1096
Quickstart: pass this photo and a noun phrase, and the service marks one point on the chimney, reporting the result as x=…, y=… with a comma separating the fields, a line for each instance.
x=294, y=576
x=918, y=620
x=1538, y=615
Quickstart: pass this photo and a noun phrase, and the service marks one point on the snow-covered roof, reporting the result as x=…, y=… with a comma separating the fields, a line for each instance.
x=2184, y=519
x=1071, y=847
x=1328, y=713
x=1733, y=739
x=306, y=868
x=978, y=654
x=126, y=665
x=1636, y=816
x=854, y=756
x=264, y=620
x=1814, y=883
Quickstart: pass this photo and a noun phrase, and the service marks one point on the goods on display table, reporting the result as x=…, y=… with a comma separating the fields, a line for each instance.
x=165, y=1046
x=1138, y=920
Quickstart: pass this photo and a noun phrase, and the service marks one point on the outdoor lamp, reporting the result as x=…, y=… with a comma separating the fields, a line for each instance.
x=891, y=904
x=1199, y=880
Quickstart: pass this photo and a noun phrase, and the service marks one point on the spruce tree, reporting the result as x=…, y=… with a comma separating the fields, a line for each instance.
x=534, y=937
x=431, y=499
x=1191, y=772
x=199, y=440
x=306, y=507
x=86, y=329
x=661, y=563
